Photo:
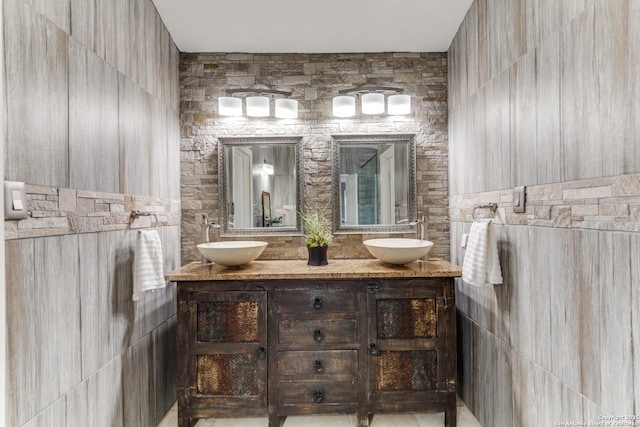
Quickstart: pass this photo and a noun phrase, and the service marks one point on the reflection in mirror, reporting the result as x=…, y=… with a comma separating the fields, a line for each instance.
x=373, y=182
x=260, y=185
x=267, y=219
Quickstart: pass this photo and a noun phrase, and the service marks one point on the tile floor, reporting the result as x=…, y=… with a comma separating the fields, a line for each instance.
x=465, y=419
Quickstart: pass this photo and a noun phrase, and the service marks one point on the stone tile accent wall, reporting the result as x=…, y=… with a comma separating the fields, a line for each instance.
x=60, y=211
x=313, y=79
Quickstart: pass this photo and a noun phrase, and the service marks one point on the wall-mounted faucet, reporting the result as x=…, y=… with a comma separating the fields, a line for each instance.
x=206, y=229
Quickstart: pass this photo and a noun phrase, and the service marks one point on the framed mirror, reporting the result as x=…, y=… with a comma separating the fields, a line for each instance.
x=373, y=183
x=261, y=183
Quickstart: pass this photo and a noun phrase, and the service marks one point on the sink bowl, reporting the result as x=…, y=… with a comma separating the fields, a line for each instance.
x=398, y=251
x=232, y=253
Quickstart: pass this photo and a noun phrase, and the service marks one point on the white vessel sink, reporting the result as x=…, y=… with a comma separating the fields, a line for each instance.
x=232, y=253
x=397, y=250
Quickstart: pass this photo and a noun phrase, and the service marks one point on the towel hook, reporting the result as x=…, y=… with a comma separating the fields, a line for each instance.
x=136, y=214
x=491, y=206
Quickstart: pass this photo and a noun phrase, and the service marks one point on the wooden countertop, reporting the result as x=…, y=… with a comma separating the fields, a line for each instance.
x=298, y=269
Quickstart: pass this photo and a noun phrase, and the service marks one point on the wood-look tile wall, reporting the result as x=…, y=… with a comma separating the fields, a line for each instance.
x=313, y=79
x=545, y=94
x=92, y=128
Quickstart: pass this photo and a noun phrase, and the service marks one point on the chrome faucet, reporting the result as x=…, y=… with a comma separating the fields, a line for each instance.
x=206, y=229
x=421, y=229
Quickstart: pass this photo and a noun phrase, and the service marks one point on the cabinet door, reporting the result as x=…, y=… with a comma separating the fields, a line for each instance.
x=226, y=345
x=411, y=344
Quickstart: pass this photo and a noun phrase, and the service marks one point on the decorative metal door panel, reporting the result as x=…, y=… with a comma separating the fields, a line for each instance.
x=228, y=321
x=406, y=318
x=414, y=370
x=409, y=340
x=227, y=345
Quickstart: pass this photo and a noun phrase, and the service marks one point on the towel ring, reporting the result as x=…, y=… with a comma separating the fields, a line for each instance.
x=136, y=214
x=491, y=206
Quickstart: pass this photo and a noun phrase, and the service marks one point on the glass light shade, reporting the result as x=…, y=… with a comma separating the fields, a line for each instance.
x=257, y=106
x=372, y=103
x=344, y=106
x=398, y=105
x=229, y=106
x=286, y=108
x=267, y=169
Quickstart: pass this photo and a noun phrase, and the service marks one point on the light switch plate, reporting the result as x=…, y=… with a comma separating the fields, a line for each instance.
x=519, y=199
x=465, y=239
x=15, y=200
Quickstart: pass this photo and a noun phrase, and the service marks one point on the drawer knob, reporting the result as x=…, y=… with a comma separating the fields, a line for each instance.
x=373, y=349
x=318, y=368
x=317, y=303
x=317, y=335
x=262, y=353
x=318, y=396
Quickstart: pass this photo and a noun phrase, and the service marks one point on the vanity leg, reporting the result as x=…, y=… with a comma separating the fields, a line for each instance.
x=276, y=420
x=450, y=417
x=186, y=422
x=364, y=419
x=363, y=422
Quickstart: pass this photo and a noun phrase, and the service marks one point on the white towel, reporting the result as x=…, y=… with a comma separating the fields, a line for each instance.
x=481, y=263
x=147, y=263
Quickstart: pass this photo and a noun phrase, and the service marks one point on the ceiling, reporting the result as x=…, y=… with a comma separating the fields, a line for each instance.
x=304, y=26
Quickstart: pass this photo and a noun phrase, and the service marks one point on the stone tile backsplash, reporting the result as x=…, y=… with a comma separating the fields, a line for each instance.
x=60, y=211
x=608, y=204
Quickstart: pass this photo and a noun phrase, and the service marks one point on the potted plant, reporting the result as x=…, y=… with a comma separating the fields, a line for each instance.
x=319, y=237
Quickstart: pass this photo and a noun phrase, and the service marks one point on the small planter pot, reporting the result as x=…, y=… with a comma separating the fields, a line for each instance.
x=318, y=256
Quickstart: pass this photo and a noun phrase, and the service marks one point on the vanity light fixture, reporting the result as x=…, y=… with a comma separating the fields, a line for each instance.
x=372, y=101
x=257, y=103
x=267, y=168
x=344, y=106
x=398, y=105
x=230, y=106
x=286, y=108
x=257, y=106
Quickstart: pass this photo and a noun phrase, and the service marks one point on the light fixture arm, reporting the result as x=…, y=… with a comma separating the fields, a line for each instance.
x=257, y=92
x=371, y=89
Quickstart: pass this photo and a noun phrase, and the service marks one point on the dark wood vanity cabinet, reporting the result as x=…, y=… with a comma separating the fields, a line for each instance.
x=222, y=356
x=318, y=331
x=412, y=347
x=300, y=347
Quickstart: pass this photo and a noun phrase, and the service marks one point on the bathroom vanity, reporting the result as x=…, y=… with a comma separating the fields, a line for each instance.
x=280, y=338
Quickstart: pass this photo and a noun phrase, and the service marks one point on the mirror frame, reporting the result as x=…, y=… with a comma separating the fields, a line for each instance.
x=337, y=140
x=296, y=141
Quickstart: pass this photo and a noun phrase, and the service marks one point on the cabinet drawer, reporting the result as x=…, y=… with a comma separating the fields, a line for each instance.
x=317, y=332
x=317, y=392
x=337, y=365
x=317, y=301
